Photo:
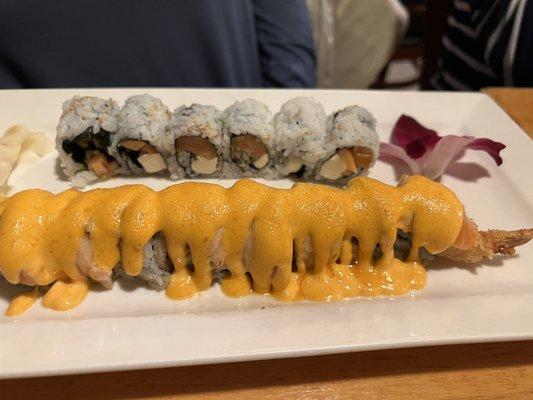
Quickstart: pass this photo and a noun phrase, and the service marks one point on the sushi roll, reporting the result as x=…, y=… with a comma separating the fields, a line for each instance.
x=300, y=136
x=197, y=134
x=84, y=133
x=142, y=142
x=352, y=145
x=310, y=241
x=247, y=140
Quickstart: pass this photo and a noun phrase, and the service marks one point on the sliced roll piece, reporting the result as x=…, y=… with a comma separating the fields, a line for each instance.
x=300, y=136
x=248, y=136
x=142, y=142
x=84, y=133
x=197, y=134
x=352, y=145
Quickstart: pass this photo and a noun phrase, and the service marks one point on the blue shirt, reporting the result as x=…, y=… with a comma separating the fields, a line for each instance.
x=196, y=43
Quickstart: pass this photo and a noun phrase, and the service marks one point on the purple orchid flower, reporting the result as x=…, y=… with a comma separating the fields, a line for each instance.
x=426, y=153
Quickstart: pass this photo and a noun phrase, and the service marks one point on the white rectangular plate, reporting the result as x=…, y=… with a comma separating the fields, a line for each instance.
x=126, y=329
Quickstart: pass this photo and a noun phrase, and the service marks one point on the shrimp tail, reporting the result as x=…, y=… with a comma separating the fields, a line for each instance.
x=488, y=244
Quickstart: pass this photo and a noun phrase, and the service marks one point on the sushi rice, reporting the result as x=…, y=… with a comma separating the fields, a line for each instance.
x=300, y=136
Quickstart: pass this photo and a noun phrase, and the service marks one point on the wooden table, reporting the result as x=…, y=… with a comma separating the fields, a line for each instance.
x=477, y=371
x=518, y=103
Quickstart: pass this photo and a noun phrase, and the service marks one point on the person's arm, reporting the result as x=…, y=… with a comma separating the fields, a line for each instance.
x=286, y=46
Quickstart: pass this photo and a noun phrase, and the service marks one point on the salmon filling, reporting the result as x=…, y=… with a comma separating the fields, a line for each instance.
x=204, y=153
x=249, y=150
